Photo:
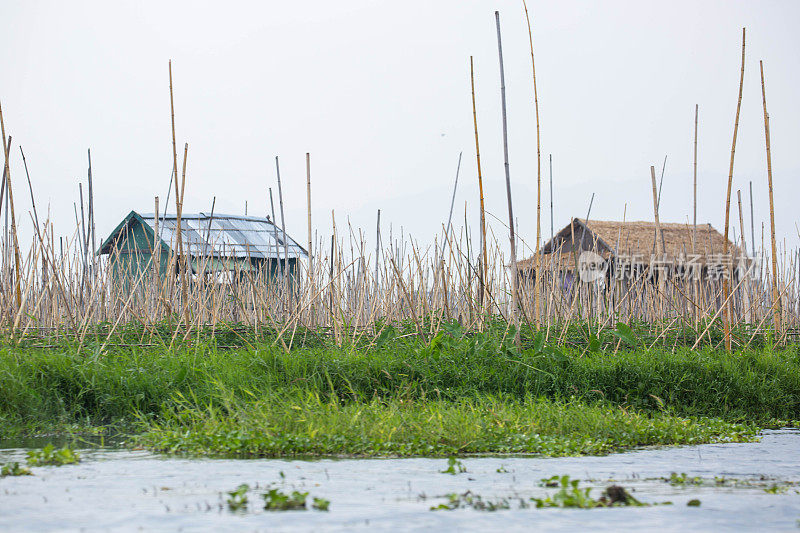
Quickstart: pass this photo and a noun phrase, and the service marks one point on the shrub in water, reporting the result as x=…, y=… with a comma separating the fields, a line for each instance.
x=50, y=456
x=13, y=469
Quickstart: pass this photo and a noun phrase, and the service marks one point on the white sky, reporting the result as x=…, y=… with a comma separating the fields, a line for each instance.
x=378, y=92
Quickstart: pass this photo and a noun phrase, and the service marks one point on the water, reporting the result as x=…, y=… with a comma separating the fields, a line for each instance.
x=121, y=490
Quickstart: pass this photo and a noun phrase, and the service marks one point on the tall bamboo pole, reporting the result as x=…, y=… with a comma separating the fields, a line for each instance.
x=659, y=238
x=752, y=227
x=512, y=239
x=308, y=195
x=776, y=303
x=741, y=220
x=283, y=223
x=10, y=198
x=30, y=187
x=156, y=244
x=694, y=203
x=178, y=206
x=452, y=204
x=278, y=268
x=659, y=243
x=696, y=282
x=377, y=246
x=551, y=199
x=91, y=212
x=537, y=255
x=484, y=268
x=745, y=291
x=726, y=313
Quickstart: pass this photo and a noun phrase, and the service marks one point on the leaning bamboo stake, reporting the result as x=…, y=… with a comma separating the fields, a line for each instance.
x=659, y=242
x=484, y=272
x=91, y=212
x=659, y=236
x=30, y=187
x=742, y=266
x=514, y=274
x=452, y=204
x=283, y=228
x=741, y=220
x=537, y=251
x=726, y=314
x=178, y=206
x=776, y=303
x=10, y=197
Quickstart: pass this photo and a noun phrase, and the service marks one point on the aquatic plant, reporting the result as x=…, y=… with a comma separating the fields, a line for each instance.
x=454, y=466
x=321, y=504
x=278, y=425
x=571, y=495
x=14, y=469
x=468, y=500
x=237, y=499
x=683, y=479
x=776, y=489
x=276, y=500
x=51, y=456
x=693, y=503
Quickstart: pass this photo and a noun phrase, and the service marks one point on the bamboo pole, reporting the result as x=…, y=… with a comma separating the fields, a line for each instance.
x=308, y=195
x=377, y=246
x=752, y=227
x=743, y=269
x=484, y=272
x=10, y=197
x=452, y=204
x=694, y=202
x=741, y=219
x=283, y=225
x=659, y=237
x=30, y=187
x=91, y=211
x=537, y=248
x=514, y=273
x=726, y=314
x=178, y=206
x=278, y=267
x=552, y=235
x=776, y=303
x=156, y=245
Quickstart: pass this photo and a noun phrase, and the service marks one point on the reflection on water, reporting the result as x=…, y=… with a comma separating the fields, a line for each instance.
x=117, y=489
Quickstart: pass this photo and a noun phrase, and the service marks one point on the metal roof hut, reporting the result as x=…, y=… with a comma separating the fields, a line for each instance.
x=633, y=246
x=213, y=244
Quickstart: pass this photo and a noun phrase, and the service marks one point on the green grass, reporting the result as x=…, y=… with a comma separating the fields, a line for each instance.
x=306, y=424
x=401, y=395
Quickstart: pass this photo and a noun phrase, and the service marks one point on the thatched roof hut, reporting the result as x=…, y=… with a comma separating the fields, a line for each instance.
x=634, y=241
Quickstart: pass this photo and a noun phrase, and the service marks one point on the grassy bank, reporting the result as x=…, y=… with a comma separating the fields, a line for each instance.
x=400, y=395
x=307, y=424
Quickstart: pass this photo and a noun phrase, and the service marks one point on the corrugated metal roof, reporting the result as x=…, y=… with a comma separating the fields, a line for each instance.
x=226, y=235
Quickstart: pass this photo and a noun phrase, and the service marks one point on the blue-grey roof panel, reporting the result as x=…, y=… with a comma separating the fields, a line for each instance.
x=226, y=236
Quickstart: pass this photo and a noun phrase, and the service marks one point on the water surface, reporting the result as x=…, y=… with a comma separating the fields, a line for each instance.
x=124, y=490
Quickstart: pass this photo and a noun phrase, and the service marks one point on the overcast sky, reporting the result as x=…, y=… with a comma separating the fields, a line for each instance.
x=378, y=92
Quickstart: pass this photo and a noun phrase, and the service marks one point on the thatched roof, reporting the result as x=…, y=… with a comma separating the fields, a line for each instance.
x=613, y=238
